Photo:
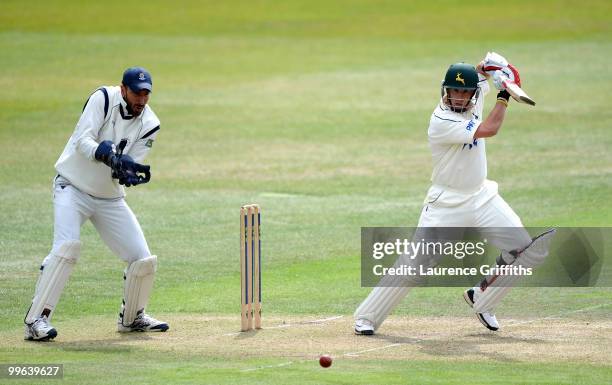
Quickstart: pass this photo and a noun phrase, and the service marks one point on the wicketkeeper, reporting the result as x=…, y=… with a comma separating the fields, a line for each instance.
x=114, y=134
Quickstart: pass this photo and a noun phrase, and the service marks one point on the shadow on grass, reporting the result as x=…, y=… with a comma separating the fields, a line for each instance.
x=247, y=334
x=113, y=345
x=468, y=345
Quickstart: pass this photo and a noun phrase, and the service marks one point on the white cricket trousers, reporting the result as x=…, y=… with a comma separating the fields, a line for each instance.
x=114, y=220
x=489, y=217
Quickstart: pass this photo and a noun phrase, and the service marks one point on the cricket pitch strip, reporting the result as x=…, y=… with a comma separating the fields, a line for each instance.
x=293, y=339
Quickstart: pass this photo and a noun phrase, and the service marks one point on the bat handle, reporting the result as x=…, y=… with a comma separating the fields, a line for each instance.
x=121, y=146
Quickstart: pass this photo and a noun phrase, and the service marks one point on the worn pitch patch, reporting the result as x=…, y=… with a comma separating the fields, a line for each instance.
x=400, y=338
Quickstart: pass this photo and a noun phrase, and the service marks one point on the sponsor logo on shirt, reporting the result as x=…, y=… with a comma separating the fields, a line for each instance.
x=470, y=125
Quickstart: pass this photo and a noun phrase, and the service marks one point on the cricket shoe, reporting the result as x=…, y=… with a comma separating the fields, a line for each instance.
x=364, y=327
x=487, y=319
x=40, y=330
x=142, y=323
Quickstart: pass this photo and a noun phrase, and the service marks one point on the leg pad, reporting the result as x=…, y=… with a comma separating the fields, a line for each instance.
x=138, y=286
x=53, y=278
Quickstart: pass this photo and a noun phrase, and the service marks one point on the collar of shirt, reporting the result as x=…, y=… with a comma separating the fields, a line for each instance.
x=123, y=110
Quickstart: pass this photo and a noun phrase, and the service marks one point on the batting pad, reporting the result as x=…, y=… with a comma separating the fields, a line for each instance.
x=53, y=278
x=390, y=291
x=495, y=287
x=379, y=303
x=138, y=286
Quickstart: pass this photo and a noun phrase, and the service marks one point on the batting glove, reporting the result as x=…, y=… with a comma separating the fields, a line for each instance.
x=493, y=62
x=498, y=80
x=513, y=74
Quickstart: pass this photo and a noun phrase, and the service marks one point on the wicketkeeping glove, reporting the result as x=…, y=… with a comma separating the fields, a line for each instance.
x=104, y=152
x=122, y=165
x=132, y=173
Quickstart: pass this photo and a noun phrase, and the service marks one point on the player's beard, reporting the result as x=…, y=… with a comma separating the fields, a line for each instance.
x=130, y=109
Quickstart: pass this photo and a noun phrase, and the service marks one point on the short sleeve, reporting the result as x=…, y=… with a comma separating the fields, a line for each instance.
x=446, y=130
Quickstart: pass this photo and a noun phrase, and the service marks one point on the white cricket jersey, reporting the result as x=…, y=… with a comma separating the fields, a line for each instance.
x=105, y=117
x=459, y=160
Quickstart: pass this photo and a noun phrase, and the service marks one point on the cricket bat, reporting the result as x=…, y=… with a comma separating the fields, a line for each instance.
x=517, y=92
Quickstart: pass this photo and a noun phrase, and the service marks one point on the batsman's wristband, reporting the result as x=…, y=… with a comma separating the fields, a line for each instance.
x=502, y=101
x=504, y=95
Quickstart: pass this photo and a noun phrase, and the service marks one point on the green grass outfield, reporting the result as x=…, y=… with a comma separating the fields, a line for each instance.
x=317, y=111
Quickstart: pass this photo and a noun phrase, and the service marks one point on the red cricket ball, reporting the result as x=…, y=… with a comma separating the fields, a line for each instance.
x=325, y=361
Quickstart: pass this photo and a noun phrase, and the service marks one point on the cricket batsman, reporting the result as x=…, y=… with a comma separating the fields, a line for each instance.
x=461, y=195
x=114, y=134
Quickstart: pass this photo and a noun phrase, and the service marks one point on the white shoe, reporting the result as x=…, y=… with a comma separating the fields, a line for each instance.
x=364, y=327
x=487, y=319
x=142, y=323
x=40, y=330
